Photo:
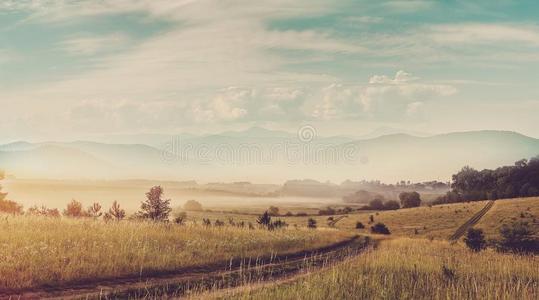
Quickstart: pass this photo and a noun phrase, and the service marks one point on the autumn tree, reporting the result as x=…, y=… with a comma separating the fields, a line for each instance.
x=155, y=207
x=74, y=209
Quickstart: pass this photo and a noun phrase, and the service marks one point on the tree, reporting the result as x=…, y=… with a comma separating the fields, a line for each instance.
x=391, y=205
x=94, y=210
x=115, y=212
x=155, y=207
x=311, y=223
x=74, y=210
x=376, y=204
x=192, y=205
x=380, y=228
x=264, y=219
x=475, y=239
x=273, y=211
x=8, y=206
x=410, y=199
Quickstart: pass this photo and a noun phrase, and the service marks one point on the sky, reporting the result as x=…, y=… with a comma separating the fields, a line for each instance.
x=71, y=69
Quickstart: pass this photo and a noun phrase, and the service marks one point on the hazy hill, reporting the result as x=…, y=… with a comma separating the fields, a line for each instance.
x=220, y=157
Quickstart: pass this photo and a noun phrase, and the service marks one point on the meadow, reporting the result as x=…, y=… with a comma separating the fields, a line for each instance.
x=407, y=268
x=38, y=251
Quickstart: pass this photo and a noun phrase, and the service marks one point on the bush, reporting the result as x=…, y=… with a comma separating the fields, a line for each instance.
x=94, y=211
x=115, y=212
x=391, y=205
x=376, y=204
x=264, y=219
x=410, y=199
x=311, y=223
x=192, y=205
x=43, y=211
x=180, y=218
x=475, y=239
x=518, y=238
x=359, y=225
x=74, y=210
x=380, y=228
x=326, y=212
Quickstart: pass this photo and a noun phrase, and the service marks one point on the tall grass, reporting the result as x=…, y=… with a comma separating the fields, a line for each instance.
x=416, y=269
x=46, y=251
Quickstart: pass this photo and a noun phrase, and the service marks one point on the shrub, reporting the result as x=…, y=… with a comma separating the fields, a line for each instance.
x=115, y=212
x=359, y=225
x=376, y=204
x=326, y=212
x=180, y=218
x=94, y=210
x=192, y=205
x=289, y=214
x=264, y=219
x=391, y=205
x=371, y=219
x=311, y=223
x=517, y=237
x=74, y=210
x=410, y=199
x=475, y=239
x=380, y=228
x=155, y=208
x=43, y=211
x=278, y=224
x=301, y=214
x=218, y=223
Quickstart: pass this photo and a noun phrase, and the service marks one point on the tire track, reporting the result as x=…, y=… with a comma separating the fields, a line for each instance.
x=216, y=276
x=471, y=222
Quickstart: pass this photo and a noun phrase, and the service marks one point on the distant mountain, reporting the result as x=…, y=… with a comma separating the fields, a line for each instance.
x=382, y=131
x=262, y=155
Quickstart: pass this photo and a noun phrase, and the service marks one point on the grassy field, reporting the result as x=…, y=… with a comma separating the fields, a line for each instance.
x=437, y=222
x=413, y=269
x=45, y=251
x=509, y=212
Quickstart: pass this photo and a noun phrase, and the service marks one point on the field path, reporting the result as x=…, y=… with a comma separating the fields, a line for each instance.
x=471, y=222
x=221, y=275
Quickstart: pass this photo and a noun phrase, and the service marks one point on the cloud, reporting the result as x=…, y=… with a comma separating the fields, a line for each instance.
x=387, y=97
x=476, y=33
x=91, y=45
x=382, y=98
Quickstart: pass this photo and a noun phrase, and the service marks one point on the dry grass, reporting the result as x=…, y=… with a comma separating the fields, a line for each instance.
x=37, y=251
x=508, y=212
x=414, y=269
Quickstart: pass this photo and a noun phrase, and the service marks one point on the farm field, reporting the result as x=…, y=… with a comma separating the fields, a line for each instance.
x=40, y=251
x=406, y=268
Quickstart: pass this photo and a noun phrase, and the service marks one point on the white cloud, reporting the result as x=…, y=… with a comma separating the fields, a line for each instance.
x=90, y=45
x=475, y=33
x=403, y=93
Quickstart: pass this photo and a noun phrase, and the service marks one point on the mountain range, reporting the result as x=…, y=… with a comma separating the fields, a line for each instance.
x=264, y=155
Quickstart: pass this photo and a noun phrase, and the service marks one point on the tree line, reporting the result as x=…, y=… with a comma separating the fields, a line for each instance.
x=518, y=180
